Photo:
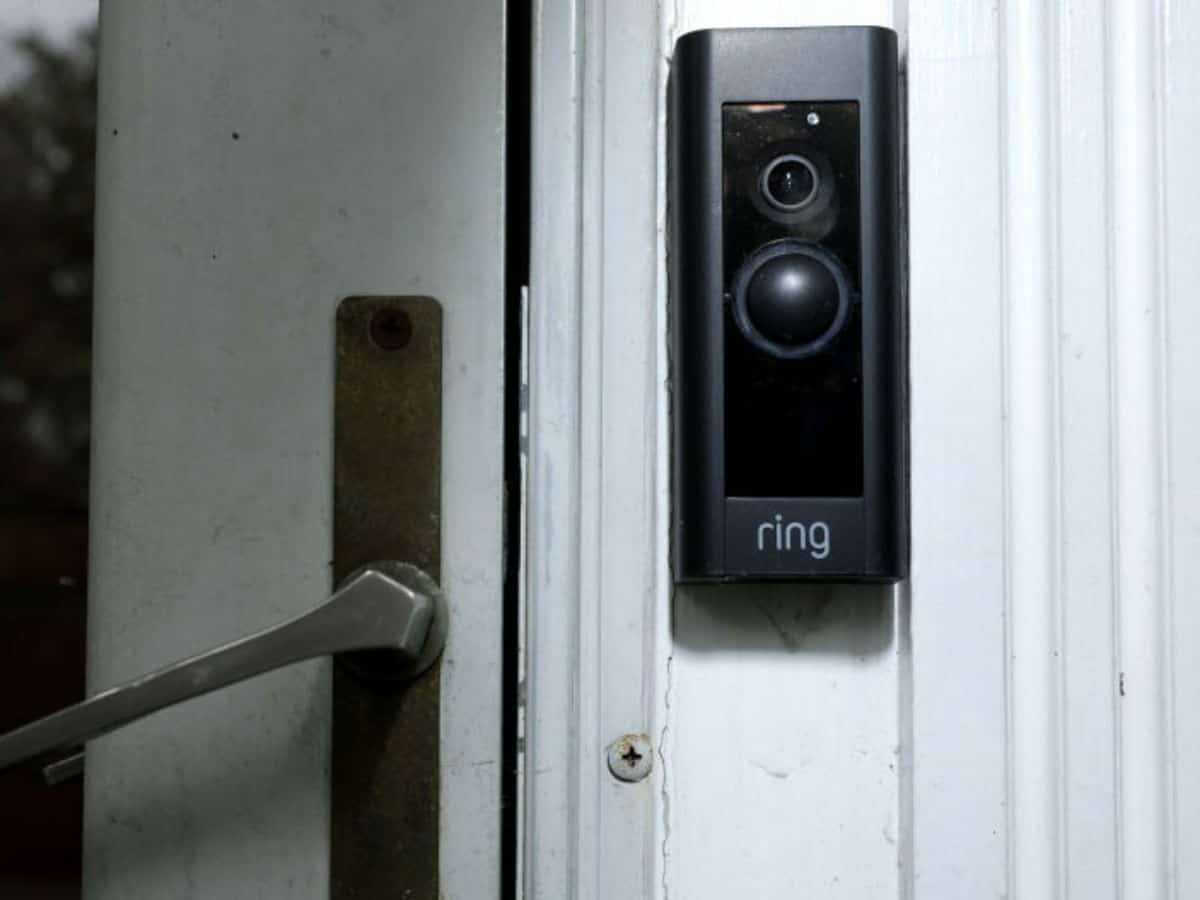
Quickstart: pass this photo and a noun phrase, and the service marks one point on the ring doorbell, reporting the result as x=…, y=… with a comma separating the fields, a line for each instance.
x=788, y=383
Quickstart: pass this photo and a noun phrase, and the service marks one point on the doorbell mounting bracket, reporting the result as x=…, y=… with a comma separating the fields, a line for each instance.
x=788, y=344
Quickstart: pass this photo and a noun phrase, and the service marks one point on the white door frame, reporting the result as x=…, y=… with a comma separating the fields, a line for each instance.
x=595, y=564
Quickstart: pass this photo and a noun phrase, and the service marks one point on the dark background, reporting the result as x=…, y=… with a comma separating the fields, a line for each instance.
x=47, y=152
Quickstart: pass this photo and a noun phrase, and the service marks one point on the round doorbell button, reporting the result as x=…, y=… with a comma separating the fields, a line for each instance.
x=791, y=299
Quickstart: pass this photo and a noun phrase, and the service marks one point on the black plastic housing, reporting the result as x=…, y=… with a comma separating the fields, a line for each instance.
x=831, y=425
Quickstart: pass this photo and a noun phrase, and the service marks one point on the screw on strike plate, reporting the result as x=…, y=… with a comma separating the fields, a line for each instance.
x=391, y=329
x=631, y=758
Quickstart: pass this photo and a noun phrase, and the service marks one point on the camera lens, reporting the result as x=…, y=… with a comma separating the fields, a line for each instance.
x=789, y=182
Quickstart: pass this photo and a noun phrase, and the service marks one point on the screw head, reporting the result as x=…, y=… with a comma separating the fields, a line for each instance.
x=391, y=329
x=630, y=758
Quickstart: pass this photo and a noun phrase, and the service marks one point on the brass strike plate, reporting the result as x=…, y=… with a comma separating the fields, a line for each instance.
x=387, y=505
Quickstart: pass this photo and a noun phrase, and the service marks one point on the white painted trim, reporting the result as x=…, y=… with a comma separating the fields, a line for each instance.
x=550, y=807
x=1178, y=89
x=1141, y=512
x=595, y=561
x=1032, y=538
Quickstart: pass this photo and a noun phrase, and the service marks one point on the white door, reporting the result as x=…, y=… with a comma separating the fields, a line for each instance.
x=257, y=163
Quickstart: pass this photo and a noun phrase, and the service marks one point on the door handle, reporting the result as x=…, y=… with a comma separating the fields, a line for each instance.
x=388, y=609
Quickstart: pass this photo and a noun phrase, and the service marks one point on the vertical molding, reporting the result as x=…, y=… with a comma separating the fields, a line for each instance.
x=956, y=315
x=1165, y=488
x=1087, y=718
x=660, y=642
x=553, y=502
x=1139, y=447
x=618, y=557
x=594, y=588
x=1099, y=733
x=1180, y=129
x=1031, y=447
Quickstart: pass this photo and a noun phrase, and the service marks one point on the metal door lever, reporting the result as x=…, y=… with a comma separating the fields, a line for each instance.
x=387, y=606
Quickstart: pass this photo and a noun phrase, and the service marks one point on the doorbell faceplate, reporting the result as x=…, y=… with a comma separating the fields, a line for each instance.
x=788, y=382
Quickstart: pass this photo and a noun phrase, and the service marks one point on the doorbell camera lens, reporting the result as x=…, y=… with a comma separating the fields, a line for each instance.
x=789, y=182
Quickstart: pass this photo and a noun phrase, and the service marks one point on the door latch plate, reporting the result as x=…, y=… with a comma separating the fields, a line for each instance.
x=387, y=505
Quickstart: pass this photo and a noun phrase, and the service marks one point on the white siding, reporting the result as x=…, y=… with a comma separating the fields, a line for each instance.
x=1021, y=720
x=1073, y=134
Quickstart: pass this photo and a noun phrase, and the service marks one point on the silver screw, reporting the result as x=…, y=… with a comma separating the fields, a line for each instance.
x=631, y=758
x=813, y=118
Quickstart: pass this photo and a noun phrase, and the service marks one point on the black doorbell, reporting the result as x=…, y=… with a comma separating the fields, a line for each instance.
x=788, y=383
